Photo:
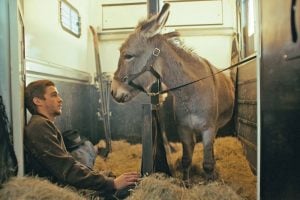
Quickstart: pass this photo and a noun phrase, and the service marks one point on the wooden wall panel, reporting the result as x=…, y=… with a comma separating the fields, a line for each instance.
x=246, y=111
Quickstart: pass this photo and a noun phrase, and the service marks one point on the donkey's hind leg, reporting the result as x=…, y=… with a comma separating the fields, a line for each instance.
x=208, y=137
x=188, y=141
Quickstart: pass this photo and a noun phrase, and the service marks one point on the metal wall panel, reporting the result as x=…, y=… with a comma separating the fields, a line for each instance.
x=80, y=110
x=195, y=13
x=246, y=120
x=280, y=97
x=127, y=119
x=130, y=12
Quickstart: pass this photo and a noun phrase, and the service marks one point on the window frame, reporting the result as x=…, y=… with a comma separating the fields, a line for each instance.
x=63, y=25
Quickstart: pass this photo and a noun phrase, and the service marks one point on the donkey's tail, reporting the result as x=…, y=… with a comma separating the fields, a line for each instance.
x=233, y=75
x=234, y=60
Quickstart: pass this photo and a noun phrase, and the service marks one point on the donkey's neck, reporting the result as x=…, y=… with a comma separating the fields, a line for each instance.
x=179, y=66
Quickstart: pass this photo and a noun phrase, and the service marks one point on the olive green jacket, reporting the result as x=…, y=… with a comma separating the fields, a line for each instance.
x=46, y=156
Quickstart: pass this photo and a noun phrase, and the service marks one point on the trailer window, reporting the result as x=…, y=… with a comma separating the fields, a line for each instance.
x=69, y=18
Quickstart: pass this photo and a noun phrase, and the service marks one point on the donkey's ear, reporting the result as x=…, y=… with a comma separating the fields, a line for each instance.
x=163, y=15
x=157, y=22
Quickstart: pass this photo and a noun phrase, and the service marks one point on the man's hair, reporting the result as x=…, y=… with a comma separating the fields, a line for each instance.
x=35, y=89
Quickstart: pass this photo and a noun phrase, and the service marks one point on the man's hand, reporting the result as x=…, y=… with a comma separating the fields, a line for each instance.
x=126, y=179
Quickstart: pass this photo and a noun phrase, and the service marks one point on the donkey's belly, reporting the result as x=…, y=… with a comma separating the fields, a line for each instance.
x=196, y=123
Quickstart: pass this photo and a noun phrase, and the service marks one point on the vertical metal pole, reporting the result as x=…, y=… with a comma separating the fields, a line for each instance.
x=104, y=111
x=153, y=6
x=153, y=155
x=5, y=56
x=147, y=140
x=147, y=137
x=12, y=73
x=17, y=82
x=257, y=39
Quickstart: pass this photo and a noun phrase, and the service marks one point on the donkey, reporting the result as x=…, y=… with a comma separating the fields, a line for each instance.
x=200, y=108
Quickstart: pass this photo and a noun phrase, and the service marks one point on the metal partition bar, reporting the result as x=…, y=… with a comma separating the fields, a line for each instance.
x=147, y=140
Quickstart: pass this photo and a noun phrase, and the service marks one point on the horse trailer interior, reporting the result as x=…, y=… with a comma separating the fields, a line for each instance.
x=257, y=39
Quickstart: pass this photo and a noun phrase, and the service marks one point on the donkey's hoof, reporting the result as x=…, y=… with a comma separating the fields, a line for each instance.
x=211, y=176
x=187, y=183
x=186, y=179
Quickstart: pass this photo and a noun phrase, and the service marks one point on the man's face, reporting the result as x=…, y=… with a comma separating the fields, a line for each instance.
x=52, y=104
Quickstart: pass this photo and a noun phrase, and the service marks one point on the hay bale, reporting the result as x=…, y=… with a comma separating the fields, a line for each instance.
x=157, y=187
x=34, y=188
x=124, y=157
x=213, y=191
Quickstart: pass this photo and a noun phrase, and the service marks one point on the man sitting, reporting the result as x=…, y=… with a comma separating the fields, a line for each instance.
x=45, y=149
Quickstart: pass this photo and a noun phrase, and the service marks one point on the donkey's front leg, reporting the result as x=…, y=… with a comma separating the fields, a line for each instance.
x=208, y=137
x=188, y=141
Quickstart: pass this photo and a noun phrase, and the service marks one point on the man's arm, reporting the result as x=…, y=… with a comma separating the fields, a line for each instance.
x=44, y=142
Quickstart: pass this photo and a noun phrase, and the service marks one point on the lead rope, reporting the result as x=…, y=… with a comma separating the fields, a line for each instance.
x=189, y=83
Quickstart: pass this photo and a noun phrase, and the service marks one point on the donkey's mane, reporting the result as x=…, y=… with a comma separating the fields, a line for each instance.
x=144, y=22
x=179, y=47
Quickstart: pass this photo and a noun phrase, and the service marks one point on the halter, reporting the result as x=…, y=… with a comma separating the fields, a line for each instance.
x=148, y=67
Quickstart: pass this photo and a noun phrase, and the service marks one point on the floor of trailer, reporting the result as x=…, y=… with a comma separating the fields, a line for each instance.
x=231, y=164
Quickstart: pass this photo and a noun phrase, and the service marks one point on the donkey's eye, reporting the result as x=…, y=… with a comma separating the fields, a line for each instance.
x=128, y=56
x=124, y=79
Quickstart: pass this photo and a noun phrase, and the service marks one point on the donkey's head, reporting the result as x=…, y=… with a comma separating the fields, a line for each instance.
x=138, y=54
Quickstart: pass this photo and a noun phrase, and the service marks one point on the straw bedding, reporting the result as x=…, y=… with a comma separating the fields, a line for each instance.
x=235, y=181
